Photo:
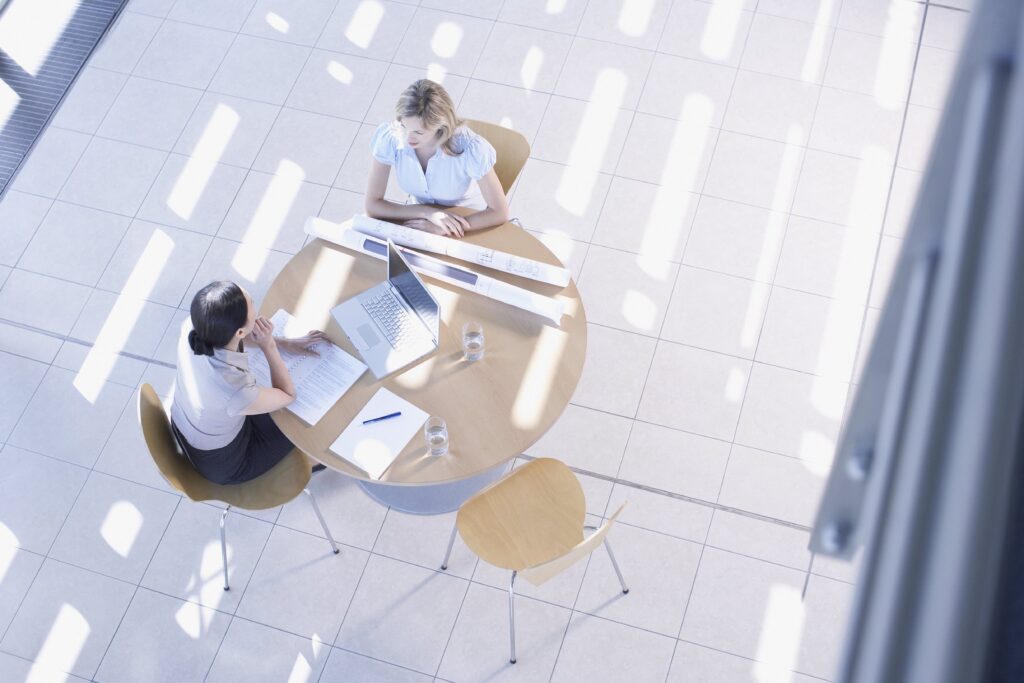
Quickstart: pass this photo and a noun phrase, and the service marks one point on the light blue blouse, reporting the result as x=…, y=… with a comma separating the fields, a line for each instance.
x=449, y=180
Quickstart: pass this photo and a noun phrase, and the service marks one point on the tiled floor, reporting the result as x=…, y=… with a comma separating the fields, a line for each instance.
x=730, y=181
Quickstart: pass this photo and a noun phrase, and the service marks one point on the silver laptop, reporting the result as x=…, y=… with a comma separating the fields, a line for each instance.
x=393, y=324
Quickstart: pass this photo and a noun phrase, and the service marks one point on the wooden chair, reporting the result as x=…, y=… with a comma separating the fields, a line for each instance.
x=531, y=521
x=511, y=147
x=276, y=487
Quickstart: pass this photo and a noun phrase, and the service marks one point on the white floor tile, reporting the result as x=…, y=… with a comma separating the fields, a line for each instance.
x=27, y=479
x=598, y=649
x=228, y=15
x=932, y=76
x=251, y=652
x=571, y=210
x=758, y=596
x=675, y=461
x=789, y=48
x=342, y=666
x=20, y=571
x=826, y=259
x=340, y=205
x=68, y=618
x=337, y=84
x=773, y=485
x=583, y=135
x=74, y=243
x=422, y=540
x=192, y=193
x=536, y=13
x=618, y=22
x=28, y=344
x=716, y=312
x=402, y=614
x=695, y=390
x=514, y=55
x=672, y=153
x=902, y=201
x=227, y=130
x=367, y=31
x=125, y=42
x=270, y=210
x=735, y=239
x=288, y=21
x=698, y=664
x=587, y=439
x=945, y=28
x=51, y=162
x=14, y=668
x=791, y=412
x=701, y=30
x=659, y=572
x=169, y=257
x=515, y=108
x=299, y=586
x=260, y=69
x=625, y=291
x=855, y=125
x=760, y=539
x=771, y=107
x=114, y=527
x=660, y=513
x=459, y=39
x=479, y=645
x=21, y=378
x=844, y=190
x=838, y=569
x=918, y=132
x=888, y=255
x=163, y=639
x=900, y=19
x=188, y=565
x=828, y=604
x=352, y=516
x=674, y=85
x=597, y=71
x=305, y=146
x=149, y=113
x=20, y=216
x=113, y=176
x=754, y=171
x=95, y=365
x=85, y=105
x=614, y=372
x=650, y=220
x=41, y=301
x=184, y=54
x=871, y=65
x=826, y=13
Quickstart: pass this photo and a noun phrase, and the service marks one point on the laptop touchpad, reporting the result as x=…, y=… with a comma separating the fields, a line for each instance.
x=369, y=336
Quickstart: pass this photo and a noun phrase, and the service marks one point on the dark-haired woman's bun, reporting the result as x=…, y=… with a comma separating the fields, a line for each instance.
x=199, y=347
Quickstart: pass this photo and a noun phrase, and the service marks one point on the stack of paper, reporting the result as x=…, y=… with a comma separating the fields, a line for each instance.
x=373, y=447
x=319, y=380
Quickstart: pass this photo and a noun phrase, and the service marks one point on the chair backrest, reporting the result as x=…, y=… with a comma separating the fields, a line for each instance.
x=541, y=573
x=530, y=516
x=282, y=483
x=511, y=147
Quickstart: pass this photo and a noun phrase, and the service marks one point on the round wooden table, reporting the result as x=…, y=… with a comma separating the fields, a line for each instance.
x=495, y=408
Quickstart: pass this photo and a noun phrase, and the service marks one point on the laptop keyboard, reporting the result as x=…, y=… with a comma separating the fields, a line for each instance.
x=392, y=318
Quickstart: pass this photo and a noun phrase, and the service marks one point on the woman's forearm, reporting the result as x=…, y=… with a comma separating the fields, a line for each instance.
x=387, y=210
x=487, y=218
x=280, y=378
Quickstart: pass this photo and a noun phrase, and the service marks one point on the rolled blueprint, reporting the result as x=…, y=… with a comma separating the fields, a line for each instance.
x=545, y=306
x=464, y=251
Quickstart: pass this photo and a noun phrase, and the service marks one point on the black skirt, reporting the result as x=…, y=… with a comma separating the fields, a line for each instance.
x=258, y=447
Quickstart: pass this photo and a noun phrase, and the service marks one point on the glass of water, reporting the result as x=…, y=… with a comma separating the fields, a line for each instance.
x=473, y=340
x=436, y=432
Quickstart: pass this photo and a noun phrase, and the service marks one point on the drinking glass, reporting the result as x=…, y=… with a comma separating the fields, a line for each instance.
x=436, y=433
x=473, y=340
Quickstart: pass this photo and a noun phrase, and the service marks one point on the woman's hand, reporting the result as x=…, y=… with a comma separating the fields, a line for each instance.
x=263, y=334
x=303, y=346
x=441, y=223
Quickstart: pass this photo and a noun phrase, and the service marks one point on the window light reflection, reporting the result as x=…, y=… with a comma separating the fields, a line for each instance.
x=781, y=631
x=639, y=310
x=555, y=6
x=532, y=397
x=721, y=29
x=277, y=22
x=195, y=177
x=268, y=219
x=121, y=527
x=340, y=72
x=446, y=39
x=29, y=29
x=362, y=27
x=62, y=646
x=815, y=57
x=635, y=16
x=530, y=70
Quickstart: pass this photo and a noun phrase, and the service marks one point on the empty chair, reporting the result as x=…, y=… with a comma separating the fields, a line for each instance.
x=277, y=486
x=531, y=521
x=511, y=148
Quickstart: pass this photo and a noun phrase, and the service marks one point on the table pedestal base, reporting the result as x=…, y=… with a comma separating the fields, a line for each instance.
x=431, y=499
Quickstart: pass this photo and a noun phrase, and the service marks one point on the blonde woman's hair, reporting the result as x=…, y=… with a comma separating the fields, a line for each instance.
x=430, y=102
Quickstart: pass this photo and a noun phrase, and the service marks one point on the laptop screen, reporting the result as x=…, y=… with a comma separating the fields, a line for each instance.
x=412, y=289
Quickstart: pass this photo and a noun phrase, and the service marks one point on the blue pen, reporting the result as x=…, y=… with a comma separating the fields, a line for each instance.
x=382, y=417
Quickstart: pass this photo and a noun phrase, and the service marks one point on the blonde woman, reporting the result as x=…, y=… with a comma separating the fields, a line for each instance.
x=439, y=161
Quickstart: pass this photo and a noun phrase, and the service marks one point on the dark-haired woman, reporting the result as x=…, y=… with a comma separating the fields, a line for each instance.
x=219, y=414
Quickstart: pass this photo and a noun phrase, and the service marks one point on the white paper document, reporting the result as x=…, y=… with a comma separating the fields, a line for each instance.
x=319, y=380
x=373, y=447
x=546, y=306
x=464, y=251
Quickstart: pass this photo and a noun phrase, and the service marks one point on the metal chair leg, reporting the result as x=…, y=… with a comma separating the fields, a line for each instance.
x=618, y=572
x=451, y=544
x=319, y=516
x=512, y=618
x=224, y=547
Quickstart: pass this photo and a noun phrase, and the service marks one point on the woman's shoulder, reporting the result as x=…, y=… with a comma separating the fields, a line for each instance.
x=385, y=142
